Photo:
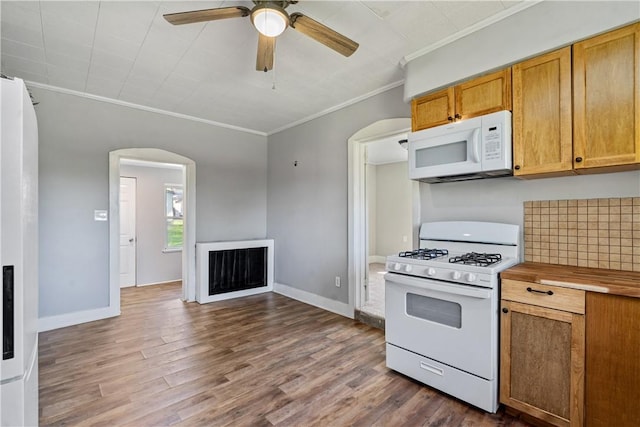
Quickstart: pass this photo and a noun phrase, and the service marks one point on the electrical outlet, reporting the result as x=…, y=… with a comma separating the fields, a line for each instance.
x=337, y=281
x=405, y=239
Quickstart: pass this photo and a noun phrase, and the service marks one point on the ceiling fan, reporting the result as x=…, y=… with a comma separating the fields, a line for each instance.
x=270, y=19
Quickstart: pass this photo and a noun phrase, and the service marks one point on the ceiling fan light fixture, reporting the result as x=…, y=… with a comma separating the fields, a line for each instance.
x=270, y=20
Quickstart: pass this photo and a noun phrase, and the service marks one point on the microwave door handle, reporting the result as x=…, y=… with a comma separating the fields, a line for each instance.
x=475, y=144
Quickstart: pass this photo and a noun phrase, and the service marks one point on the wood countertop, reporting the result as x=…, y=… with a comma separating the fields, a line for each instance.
x=615, y=282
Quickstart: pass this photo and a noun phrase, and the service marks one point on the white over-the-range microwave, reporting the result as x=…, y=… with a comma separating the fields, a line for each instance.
x=474, y=148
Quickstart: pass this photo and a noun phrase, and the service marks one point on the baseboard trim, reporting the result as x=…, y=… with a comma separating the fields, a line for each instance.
x=159, y=283
x=69, y=319
x=315, y=300
x=377, y=259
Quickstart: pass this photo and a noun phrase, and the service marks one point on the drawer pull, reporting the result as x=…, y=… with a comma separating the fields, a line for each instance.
x=431, y=369
x=539, y=292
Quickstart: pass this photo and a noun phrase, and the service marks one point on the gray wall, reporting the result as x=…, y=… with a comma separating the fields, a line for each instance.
x=393, y=209
x=500, y=199
x=76, y=135
x=307, y=204
x=153, y=265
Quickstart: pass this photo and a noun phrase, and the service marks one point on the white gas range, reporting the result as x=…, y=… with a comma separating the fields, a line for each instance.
x=441, y=308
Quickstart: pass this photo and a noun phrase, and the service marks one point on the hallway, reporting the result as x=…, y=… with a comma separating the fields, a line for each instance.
x=375, y=304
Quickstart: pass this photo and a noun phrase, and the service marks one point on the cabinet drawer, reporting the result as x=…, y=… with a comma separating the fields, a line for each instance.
x=555, y=297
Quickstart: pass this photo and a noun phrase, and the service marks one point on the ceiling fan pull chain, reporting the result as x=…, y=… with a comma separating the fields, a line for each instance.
x=273, y=71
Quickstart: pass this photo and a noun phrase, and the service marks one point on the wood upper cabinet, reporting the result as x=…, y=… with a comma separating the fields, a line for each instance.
x=432, y=110
x=483, y=95
x=542, y=351
x=476, y=97
x=606, y=97
x=542, y=136
x=613, y=361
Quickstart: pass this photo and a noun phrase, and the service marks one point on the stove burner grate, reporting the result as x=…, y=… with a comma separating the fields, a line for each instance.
x=424, y=253
x=474, y=258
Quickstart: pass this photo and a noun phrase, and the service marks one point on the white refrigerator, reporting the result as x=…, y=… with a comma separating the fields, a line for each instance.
x=19, y=255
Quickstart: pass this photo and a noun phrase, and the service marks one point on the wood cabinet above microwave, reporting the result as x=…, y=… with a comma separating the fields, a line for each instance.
x=476, y=97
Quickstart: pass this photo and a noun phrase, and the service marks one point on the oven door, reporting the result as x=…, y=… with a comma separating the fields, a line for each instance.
x=456, y=325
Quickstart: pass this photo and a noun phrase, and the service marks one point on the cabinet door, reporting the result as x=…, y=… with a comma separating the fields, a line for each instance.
x=613, y=361
x=607, y=100
x=542, y=139
x=484, y=95
x=432, y=110
x=542, y=362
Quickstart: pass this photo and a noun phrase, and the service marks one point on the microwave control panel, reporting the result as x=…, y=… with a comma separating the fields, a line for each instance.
x=496, y=141
x=492, y=142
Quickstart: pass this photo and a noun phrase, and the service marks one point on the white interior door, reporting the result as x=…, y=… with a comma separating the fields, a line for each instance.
x=127, y=232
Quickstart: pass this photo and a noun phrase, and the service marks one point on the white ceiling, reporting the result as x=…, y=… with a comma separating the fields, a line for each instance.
x=126, y=51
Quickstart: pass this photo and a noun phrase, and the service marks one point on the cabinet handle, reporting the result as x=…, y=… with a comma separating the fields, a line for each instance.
x=578, y=159
x=505, y=310
x=458, y=116
x=450, y=118
x=540, y=292
x=517, y=167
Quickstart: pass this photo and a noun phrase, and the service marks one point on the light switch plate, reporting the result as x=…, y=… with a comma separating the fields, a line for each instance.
x=100, y=215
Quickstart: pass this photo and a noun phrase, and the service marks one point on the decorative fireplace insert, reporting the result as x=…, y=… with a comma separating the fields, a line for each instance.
x=233, y=269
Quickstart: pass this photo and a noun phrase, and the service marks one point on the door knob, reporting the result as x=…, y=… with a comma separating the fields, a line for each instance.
x=131, y=240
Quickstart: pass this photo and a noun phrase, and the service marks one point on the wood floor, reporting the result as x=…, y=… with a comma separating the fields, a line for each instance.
x=258, y=361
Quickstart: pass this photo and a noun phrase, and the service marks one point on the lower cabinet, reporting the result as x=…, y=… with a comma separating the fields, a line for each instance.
x=542, y=348
x=613, y=361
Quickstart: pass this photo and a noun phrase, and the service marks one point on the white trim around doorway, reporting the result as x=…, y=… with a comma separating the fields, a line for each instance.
x=357, y=223
x=189, y=248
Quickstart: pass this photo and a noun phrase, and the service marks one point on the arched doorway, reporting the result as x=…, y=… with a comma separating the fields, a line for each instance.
x=357, y=222
x=188, y=251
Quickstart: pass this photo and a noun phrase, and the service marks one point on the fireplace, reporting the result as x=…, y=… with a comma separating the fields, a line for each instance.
x=233, y=269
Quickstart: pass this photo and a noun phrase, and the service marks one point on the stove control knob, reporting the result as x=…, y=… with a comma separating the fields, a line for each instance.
x=408, y=269
x=456, y=275
x=397, y=266
x=471, y=277
x=431, y=271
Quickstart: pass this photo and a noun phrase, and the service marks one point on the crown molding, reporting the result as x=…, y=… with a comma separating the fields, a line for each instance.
x=211, y=122
x=338, y=107
x=141, y=107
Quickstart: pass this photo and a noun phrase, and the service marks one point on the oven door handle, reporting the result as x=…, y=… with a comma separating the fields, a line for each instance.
x=431, y=285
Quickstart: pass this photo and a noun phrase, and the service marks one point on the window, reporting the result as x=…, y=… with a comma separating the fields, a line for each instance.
x=174, y=216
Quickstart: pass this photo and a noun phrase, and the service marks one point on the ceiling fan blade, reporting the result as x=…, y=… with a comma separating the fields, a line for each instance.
x=206, y=15
x=266, y=49
x=323, y=34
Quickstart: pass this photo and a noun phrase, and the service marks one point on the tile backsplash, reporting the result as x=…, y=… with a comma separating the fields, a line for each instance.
x=598, y=233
